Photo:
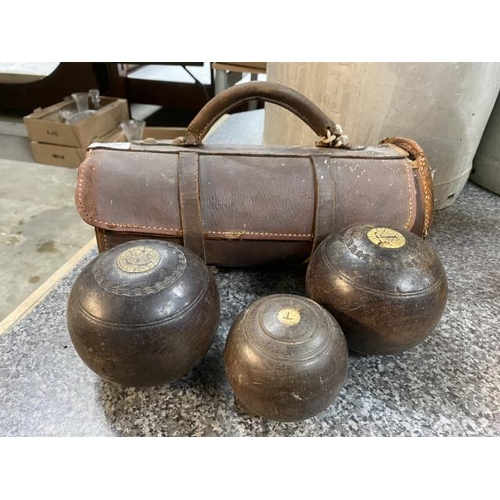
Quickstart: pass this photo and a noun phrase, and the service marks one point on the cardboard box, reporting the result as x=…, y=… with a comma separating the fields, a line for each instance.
x=46, y=126
x=65, y=156
x=53, y=154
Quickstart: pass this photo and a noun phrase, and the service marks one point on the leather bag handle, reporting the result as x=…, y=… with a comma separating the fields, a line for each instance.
x=329, y=133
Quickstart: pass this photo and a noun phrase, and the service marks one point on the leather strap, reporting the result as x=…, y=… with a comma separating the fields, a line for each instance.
x=189, y=198
x=325, y=200
x=275, y=93
x=420, y=161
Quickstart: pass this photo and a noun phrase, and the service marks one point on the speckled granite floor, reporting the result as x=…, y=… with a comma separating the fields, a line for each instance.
x=447, y=386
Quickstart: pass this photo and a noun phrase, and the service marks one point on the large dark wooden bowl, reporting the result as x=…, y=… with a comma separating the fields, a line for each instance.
x=143, y=313
x=385, y=286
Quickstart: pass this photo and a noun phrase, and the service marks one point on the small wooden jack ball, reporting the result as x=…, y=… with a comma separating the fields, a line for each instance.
x=286, y=358
x=143, y=313
x=385, y=286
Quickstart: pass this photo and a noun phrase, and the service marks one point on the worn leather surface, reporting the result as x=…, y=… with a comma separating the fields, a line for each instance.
x=189, y=203
x=258, y=205
x=242, y=206
x=423, y=178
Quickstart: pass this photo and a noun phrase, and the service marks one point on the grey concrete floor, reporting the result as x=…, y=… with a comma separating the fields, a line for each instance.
x=40, y=228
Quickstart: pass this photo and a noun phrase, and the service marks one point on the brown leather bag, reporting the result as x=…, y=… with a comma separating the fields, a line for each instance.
x=252, y=205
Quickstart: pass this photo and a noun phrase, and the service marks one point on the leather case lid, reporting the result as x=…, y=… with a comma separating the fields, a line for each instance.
x=259, y=193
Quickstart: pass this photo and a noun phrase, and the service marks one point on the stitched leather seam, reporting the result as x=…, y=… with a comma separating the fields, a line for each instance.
x=409, y=177
x=427, y=199
x=253, y=233
x=419, y=161
x=106, y=247
x=130, y=226
x=224, y=233
x=80, y=184
x=258, y=234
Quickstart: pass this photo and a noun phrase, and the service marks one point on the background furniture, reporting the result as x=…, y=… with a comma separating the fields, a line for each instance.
x=187, y=89
x=64, y=80
x=228, y=73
